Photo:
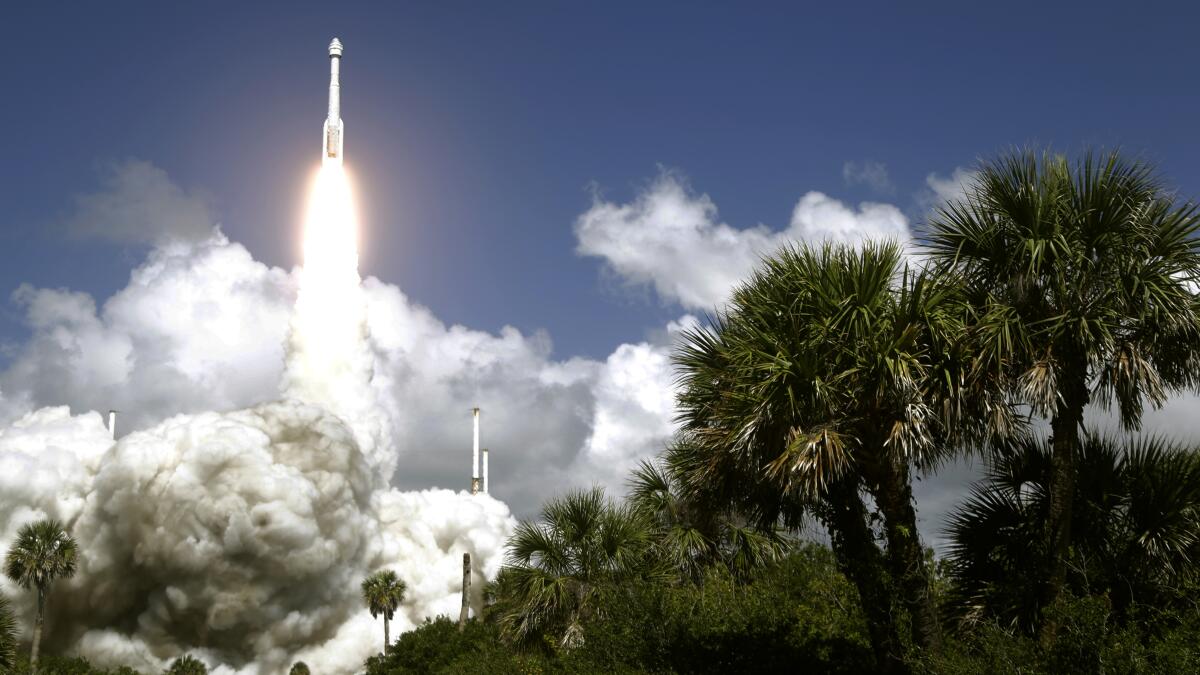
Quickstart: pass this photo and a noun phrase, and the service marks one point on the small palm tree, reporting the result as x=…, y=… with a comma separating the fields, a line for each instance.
x=690, y=536
x=299, y=668
x=8, y=637
x=42, y=553
x=187, y=665
x=1082, y=277
x=383, y=592
x=554, y=568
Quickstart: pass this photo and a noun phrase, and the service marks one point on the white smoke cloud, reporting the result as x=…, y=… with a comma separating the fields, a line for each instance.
x=669, y=237
x=200, y=326
x=241, y=536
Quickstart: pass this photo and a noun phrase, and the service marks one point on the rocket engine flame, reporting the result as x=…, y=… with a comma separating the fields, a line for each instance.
x=329, y=317
x=329, y=361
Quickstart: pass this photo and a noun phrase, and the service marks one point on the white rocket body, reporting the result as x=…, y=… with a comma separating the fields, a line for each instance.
x=333, y=133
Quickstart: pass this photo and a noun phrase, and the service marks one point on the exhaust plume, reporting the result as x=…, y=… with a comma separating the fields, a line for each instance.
x=241, y=537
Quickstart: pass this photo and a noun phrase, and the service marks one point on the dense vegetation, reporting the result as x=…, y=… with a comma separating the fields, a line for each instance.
x=834, y=378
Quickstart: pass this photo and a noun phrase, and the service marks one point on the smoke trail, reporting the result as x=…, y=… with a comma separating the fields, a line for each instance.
x=329, y=362
x=241, y=537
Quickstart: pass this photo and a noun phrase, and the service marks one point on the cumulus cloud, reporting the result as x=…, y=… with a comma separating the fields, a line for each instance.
x=669, y=237
x=138, y=203
x=200, y=326
x=870, y=173
x=942, y=189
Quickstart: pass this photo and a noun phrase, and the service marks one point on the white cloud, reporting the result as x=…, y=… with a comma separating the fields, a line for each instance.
x=201, y=326
x=942, y=189
x=140, y=204
x=818, y=217
x=870, y=173
x=670, y=238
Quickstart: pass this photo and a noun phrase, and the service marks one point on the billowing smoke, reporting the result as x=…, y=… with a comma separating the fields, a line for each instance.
x=242, y=537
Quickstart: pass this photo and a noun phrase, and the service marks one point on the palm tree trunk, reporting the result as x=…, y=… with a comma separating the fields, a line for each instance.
x=905, y=555
x=862, y=562
x=1065, y=425
x=37, y=630
x=387, y=639
x=465, y=611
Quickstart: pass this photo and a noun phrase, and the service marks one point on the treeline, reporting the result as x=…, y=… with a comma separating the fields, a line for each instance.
x=836, y=376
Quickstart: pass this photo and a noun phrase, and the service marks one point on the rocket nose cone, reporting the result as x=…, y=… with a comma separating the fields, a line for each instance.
x=335, y=47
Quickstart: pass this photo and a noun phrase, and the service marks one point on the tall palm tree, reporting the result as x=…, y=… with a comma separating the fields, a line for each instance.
x=555, y=568
x=8, y=637
x=42, y=553
x=828, y=374
x=383, y=592
x=1136, y=528
x=690, y=537
x=1083, y=278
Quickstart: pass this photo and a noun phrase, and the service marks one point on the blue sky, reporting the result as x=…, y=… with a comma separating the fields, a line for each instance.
x=477, y=132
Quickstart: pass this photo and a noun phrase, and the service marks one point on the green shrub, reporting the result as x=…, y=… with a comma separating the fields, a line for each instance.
x=49, y=664
x=438, y=647
x=800, y=613
x=1088, y=640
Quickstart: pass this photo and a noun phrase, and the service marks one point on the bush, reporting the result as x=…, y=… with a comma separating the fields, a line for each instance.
x=438, y=647
x=65, y=665
x=1088, y=640
x=299, y=668
x=800, y=613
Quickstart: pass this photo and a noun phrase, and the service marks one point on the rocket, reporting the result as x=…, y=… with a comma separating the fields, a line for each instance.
x=332, y=136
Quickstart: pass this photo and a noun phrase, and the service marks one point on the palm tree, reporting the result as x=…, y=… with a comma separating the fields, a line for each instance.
x=383, y=592
x=8, y=637
x=1083, y=280
x=187, y=665
x=1136, y=528
x=299, y=668
x=41, y=553
x=690, y=537
x=828, y=374
x=555, y=568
